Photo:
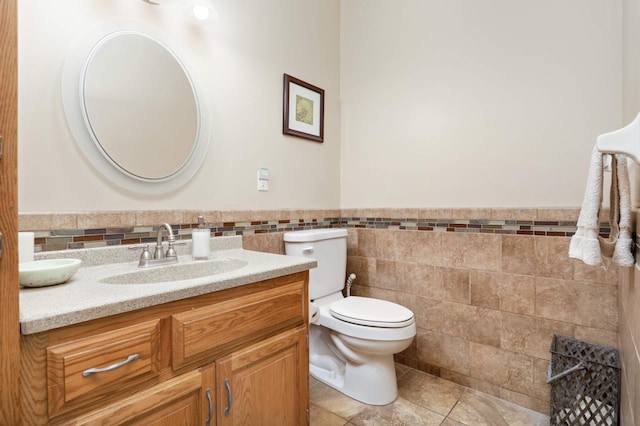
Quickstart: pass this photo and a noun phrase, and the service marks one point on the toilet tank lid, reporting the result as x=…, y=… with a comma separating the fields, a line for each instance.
x=319, y=234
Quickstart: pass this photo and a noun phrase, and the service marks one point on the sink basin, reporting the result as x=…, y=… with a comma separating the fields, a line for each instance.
x=41, y=273
x=176, y=272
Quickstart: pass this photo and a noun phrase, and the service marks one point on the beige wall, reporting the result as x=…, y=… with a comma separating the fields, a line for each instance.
x=473, y=104
x=487, y=305
x=240, y=60
x=629, y=296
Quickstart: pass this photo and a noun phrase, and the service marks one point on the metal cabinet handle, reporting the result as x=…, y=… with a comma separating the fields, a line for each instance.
x=227, y=410
x=208, y=422
x=112, y=367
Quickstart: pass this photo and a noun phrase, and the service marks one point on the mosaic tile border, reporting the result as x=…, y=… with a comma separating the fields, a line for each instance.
x=101, y=237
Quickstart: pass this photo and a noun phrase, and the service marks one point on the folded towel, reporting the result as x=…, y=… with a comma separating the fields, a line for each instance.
x=586, y=244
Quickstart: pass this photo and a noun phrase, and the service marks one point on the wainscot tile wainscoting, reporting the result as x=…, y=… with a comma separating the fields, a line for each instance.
x=489, y=287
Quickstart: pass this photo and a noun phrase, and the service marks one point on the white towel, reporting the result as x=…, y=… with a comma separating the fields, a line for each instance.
x=586, y=245
x=624, y=244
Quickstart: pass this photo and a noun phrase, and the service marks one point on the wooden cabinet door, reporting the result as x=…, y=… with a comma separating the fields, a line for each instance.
x=266, y=383
x=186, y=400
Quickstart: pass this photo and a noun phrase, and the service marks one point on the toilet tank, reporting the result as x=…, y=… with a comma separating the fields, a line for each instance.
x=329, y=248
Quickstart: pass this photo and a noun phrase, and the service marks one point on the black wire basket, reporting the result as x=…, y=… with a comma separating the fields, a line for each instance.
x=585, y=383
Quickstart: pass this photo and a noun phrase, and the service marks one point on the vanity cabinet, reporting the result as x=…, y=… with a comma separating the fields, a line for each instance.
x=234, y=356
x=261, y=385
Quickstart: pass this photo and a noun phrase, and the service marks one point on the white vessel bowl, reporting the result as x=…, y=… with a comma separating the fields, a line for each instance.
x=42, y=273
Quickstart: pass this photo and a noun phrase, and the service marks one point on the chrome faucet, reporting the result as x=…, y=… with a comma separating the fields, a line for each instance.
x=159, y=257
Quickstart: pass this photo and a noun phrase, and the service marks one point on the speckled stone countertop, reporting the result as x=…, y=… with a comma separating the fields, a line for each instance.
x=84, y=297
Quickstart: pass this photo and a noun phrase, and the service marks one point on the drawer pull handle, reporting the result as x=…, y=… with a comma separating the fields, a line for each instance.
x=229, y=397
x=112, y=367
x=208, y=393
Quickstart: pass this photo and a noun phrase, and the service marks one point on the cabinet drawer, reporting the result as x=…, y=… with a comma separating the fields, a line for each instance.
x=212, y=329
x=86, y=368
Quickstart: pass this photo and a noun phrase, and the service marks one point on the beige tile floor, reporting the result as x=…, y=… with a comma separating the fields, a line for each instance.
x=422, y=400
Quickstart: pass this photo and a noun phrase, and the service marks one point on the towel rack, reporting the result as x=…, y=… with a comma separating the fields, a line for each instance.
x=622, y=141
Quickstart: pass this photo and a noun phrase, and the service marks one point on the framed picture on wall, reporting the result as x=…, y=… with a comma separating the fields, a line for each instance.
x=303, y=109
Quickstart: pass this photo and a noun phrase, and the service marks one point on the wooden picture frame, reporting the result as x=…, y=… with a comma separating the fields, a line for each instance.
x=303, y=114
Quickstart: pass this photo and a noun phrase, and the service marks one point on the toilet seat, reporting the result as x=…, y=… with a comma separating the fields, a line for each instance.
x=371, y=312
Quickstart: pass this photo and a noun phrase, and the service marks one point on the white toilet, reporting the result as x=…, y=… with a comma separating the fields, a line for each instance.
x=352, y=339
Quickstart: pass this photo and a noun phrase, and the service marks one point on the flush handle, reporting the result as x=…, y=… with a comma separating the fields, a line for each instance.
x=307, y=250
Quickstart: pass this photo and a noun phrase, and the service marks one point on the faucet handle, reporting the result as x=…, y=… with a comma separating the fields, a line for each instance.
x=145, y=256
x=171, y=251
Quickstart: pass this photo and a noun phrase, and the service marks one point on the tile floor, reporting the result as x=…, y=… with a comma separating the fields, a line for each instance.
x=422, y=400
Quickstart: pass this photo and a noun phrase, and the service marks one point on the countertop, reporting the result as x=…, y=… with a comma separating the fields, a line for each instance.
x=84, y=298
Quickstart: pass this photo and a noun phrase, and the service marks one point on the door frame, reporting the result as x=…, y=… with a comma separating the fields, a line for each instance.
x=10, y=405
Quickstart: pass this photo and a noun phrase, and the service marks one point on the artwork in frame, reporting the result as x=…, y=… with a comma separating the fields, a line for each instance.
x=303, y=109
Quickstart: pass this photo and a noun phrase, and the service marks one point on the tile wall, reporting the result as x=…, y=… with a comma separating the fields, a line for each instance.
x=489, y=287
x=629, y=337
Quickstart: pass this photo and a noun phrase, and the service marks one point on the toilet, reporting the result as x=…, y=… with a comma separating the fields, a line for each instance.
x=351, y=339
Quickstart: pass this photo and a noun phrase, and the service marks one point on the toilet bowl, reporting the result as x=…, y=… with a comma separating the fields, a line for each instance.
x=352, y=340
x=357, y=359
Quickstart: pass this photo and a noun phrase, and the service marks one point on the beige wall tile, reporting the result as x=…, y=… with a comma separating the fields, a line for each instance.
x=507, y=292
x=514, y=214
x=592, y=305
x=541, y=390
x=367, y=243
x=503, y=368
x=552, y=257
x=485, y=289
x=47, y=221
x=425, y=247
x=428, y=312
x=473, y=251
x=519, y=255
x=433, y=213
x=596, y=274
x=352, y=242
x=471, y=213
x=235, y=216
x=472, y=323
x=419, y=279
x=386, y=275
x=363, y=267
x=269, y=243
x=517, y=294
x=630, y=369
x=154, y=218
x=443, y=351
x=597, y=335
x=455, y=283
x=106, y=220
x=389, y=244
x=210, y=216
x=531, y=336
x=565, y=215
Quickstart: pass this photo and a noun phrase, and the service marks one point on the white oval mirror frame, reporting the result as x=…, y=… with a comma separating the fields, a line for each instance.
x=111, y=146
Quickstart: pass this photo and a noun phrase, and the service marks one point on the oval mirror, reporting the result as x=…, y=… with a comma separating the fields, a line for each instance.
x=142, y=122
